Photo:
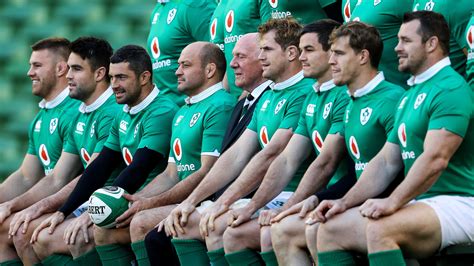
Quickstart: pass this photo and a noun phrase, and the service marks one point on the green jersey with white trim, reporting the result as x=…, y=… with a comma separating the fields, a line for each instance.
x=386, y=16
x=279, y=108
x=470, y=52
x=147, y=124
x=49, y=130
x=199, y=127
x=305, y=11
x=438, y=99
x=174, y=25
x=216, y=28
x=347, y=7
x=457, y=15
x=90, y=129
x=322, y=114
x=369, y=120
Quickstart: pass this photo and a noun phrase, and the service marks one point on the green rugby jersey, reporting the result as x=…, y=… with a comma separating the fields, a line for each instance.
x=305, y=11
x=347, y=7
x=49, y=129
x=147, y=124
x=174, y=25
x=199, y=127
x=386, y=16
x=216, y=27
x=279, y=108
x=322, y=114
x=90, y=129
x=439, y=98
x=470, y=52
x=457, y=15
x=369, y=120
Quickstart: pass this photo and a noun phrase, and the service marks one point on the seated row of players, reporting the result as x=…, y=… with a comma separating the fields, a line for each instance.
x=273, y=156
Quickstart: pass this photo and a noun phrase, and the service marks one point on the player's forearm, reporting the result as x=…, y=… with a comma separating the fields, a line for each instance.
x=250, y=178
x=422, y=175
x=180, y=191
x=14, y=185
x=377, y=176
x=279, y=174
x=226, y=169
x=317, y=176
x=53, y=202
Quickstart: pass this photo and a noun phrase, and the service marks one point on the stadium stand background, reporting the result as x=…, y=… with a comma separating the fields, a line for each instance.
x=23, y=22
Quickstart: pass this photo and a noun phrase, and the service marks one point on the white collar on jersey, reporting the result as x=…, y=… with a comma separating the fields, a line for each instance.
x=83, y=108
x=139, y=107
x=162, y=1
x=324, y=87
x=287, y=83
x=369, y=86
x=56, y=101
x=258, y=91
x=429, y=73
x=204, y=94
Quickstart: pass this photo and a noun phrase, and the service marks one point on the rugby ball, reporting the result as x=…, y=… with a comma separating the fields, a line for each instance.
x=106, y=204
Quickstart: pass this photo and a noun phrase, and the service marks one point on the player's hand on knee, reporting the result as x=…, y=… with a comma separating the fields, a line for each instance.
x=51, y=222
x=377, y=208
x=5, y=211
x=79, y=225
x=181, y=214
x=138, y=204
x=266, y=216
x=167, y=225
x=239, y=216
x=23, y=218
x=207, y=222
x=326, y=210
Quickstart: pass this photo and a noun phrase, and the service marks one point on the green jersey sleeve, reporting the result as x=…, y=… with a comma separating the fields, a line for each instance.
x=337, y=121
x=215, y=127
x=113, y=141
x=302, y=128
x=31, y=140
x=450, y=110
x=292, y=113
x=104, y=131
x=157, y=132
x=70, y=142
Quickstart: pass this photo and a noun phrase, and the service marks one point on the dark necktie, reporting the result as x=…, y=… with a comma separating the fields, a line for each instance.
x=246, y=106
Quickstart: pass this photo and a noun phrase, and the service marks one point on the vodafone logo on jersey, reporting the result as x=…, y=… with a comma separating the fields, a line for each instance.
x=155, y=48
x=264, y=136
x=470, y=37
x=44, y=155
x=402, y=135
x=213, y=28
x=85, y=156
x=229, y=21
x=177, y=149
x=318, y=141
x=127, y=156
x=347, y=11
x=273, y=3
x=354, y=147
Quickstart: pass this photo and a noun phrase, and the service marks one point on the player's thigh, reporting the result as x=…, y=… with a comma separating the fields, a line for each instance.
x=54, y=243
x=20, y=239
x=343, y=231
x=151, y=217
x=246, y=235
x=415, y=228
x=289, y=227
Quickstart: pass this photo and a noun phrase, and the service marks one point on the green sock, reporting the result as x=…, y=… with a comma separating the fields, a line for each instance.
x=269, y=258
x=336, y=257
x=191, y=251
x=59, y=260
x=15, y=262
x=243, y=257
x=89, y=258
x=217, y=257
x=392, y=257
x=36, y=264
x=140, y=253
x=115, y=255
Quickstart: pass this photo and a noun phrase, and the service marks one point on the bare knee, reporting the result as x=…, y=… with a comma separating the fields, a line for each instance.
x=80, y=245
x=102, y=236
x=311, y=235
x=42, y=244
x=266, y=238
x=21, y=241
x=376, y=232
x=214, y=240
x=139, y=227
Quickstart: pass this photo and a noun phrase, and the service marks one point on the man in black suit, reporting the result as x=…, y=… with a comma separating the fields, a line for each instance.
x=248, y=76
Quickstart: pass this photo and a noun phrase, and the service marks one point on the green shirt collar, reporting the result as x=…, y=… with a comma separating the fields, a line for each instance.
x=205, y=94
x=369, y=87
x=287, y=83
x=139, y=107
x=429, y=73
x=83, y=108
x=56, y=101
x=324, y=87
